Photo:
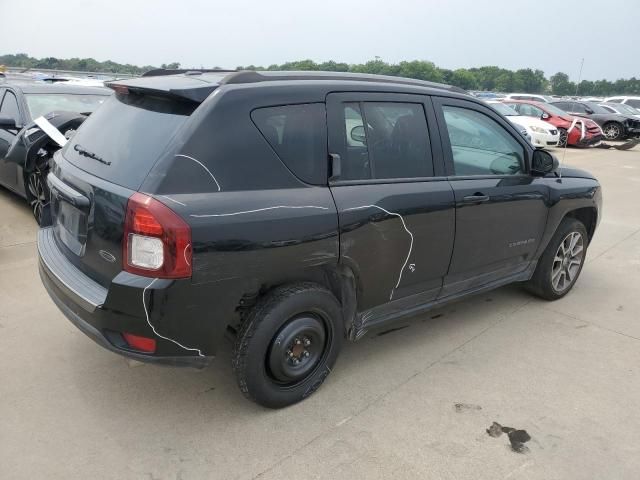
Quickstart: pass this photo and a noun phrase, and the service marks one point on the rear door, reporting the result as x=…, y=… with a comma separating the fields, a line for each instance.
x=395, y=207
x=501, y=209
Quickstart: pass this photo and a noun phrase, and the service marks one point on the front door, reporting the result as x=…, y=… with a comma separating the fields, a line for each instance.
x=501, y=210
x=395, y=207
x=9, y=170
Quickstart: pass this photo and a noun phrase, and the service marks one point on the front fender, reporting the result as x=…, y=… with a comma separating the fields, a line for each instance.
x=567, y=195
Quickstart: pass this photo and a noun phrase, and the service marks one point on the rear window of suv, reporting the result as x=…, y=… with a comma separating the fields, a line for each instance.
x=298, y=135
x=128, y=134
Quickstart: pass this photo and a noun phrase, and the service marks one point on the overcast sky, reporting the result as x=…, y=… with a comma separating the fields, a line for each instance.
x=549, y=35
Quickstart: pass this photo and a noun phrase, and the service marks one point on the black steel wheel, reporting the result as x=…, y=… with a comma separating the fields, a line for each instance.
x=37, y=192
x=297, y=349
x=288, y=344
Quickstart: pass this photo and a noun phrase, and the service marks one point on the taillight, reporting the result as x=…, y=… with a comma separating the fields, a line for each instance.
x=157, y=242
x=144, y=344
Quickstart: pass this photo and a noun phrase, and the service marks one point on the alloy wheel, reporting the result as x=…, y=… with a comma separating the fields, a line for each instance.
x=37, y=194
x=562, y=141
x=567, y=261
x=612, y=131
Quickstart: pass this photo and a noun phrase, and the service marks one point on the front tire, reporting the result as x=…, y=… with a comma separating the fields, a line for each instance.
x=563, y=138
x=37, y=191
x=288, y=344
x=561, y=263
x=613, y=131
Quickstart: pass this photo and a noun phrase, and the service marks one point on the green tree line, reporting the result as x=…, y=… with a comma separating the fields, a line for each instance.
x=490, y=78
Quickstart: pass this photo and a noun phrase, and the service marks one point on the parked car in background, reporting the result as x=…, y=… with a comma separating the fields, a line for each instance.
x=614, y=126
x=621, y=109
x=161, y=247
x=539, y=133
x=529, y=96
x=632, y=101
x=25, y=149
x=570, y=132
x=488, y=95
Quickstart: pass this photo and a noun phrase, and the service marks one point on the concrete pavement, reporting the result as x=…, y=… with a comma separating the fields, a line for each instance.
x=412, y=403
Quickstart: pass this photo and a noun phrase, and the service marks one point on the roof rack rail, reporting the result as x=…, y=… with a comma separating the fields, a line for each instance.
x=250, y=76
x=158, y=72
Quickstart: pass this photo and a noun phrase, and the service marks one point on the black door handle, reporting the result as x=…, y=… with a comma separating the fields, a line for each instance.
x=477, y=198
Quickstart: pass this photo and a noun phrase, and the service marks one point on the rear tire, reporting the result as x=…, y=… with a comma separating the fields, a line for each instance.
x=288, y=344
x=561, y=263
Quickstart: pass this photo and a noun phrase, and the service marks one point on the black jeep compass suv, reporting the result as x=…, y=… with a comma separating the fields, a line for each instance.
x=294, y=210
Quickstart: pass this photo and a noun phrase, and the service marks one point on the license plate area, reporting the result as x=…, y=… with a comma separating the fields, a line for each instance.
x=70, y=225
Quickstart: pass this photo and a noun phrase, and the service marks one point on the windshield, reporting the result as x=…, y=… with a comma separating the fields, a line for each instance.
x=554, y=110
x=596, y=108
x=42, y=103
x=504, y=109
x=622, y=108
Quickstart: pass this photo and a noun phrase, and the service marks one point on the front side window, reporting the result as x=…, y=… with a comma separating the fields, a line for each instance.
x=385, y=140
x=633, y=102
x=480, y=145
x=298, y=135
x=578, y=108
x=10, y=107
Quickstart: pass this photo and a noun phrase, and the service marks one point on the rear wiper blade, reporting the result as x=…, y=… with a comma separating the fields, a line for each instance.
x=78, y=148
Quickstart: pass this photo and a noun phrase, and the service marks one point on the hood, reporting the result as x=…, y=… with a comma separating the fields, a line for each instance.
x=529, y=122
x=570, y=172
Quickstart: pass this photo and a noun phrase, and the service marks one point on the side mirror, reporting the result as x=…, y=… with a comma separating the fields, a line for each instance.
x=358, y=134
x=543, y=163
x=588, y=110
x=7, y=123
x=544, y=116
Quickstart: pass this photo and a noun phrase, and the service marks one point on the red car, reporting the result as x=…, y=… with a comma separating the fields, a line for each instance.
x=577, y=131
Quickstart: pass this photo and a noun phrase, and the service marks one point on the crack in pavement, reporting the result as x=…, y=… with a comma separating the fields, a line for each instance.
x=395, y=388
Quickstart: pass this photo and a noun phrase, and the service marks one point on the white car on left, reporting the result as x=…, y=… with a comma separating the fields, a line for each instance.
x=542, y=134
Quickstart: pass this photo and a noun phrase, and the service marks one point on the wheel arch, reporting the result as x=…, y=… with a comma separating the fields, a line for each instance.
x=339, y=279
x=588, y=216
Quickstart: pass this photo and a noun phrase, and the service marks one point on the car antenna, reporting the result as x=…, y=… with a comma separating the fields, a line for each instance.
x=566, y=143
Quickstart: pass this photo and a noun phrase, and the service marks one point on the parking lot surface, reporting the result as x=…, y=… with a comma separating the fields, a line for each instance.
x=412, y=403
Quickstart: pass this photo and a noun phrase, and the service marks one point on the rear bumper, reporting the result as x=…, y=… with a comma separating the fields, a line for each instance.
x=84, y=303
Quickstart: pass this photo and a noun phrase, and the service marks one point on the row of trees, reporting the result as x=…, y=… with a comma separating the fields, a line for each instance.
x=481, y=78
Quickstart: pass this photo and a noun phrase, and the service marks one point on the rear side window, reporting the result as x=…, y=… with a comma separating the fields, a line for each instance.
x=128, y=133
x=298, y=134
x=633, y=102
x=385, y=140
